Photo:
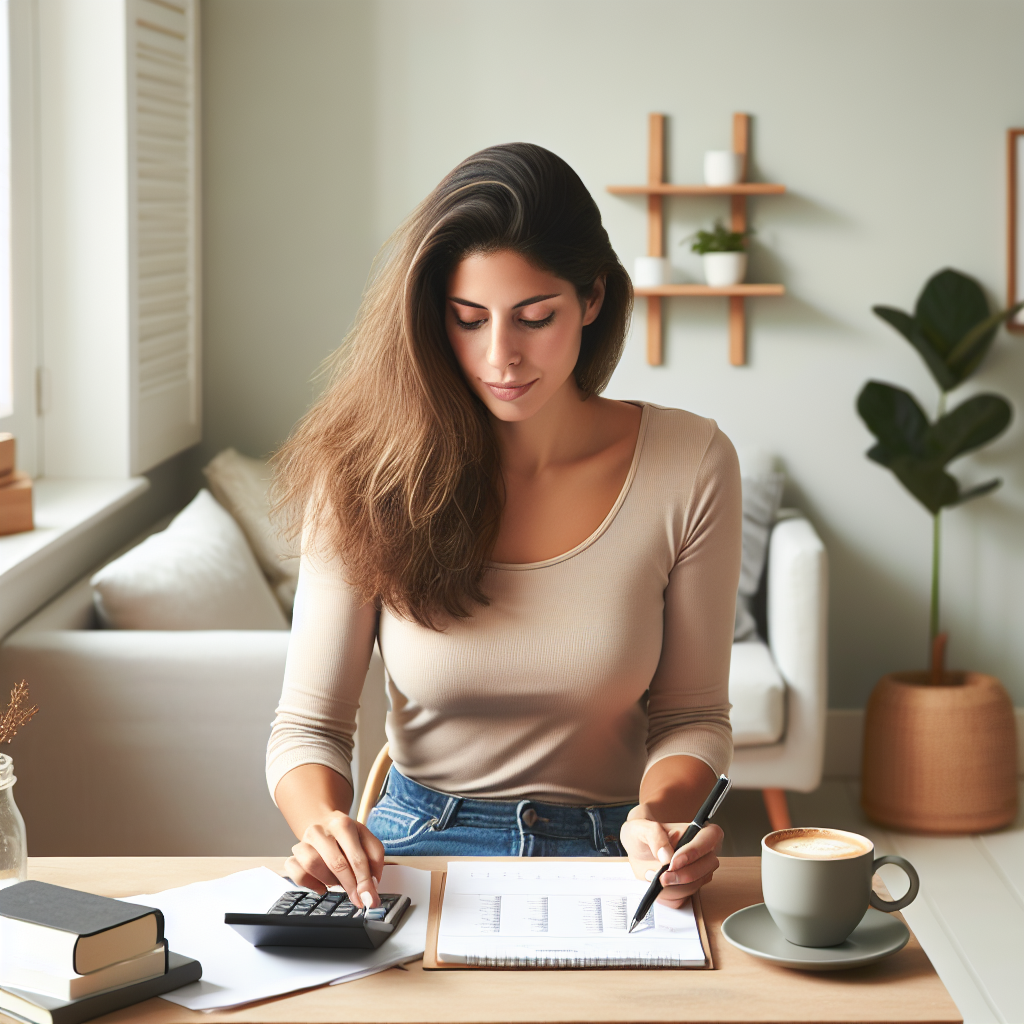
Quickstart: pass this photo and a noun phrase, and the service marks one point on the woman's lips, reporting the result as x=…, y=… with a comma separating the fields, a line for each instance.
x=509, y=392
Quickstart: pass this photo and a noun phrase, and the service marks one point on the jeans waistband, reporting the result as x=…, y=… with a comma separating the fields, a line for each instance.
x=596, y=822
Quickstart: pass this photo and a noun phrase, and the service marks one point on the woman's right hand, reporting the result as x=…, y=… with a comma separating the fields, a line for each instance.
x=338, y=850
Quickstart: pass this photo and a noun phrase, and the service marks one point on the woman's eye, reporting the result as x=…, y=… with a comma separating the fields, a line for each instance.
x=470, y=325
x=538, y=323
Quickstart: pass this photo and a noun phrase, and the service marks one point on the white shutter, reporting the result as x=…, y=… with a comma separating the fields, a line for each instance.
x=163, y=119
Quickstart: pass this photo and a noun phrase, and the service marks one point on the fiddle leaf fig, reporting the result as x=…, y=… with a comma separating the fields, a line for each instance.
x=949, y=305
x=952, y=329
x=976, y=422
x=907, y=326
x=971, y=348
x=918, y=451
x=952, y=326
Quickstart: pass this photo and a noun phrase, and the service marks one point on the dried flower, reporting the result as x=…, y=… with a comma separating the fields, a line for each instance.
x=16, y=716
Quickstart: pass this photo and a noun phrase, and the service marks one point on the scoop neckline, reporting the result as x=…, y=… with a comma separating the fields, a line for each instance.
x=645, y=409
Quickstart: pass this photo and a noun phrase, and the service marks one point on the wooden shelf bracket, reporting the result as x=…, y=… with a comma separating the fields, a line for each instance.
x=655, y=229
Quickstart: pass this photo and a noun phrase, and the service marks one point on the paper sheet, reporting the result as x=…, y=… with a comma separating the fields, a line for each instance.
x=234, y=972
x=556, y=915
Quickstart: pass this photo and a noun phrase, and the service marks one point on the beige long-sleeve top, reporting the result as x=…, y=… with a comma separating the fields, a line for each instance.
x=582, y=672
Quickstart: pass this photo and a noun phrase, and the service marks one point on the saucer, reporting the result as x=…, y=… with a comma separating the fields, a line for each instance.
x=877, y=936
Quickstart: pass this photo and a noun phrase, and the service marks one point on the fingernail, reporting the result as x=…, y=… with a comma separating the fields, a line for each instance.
x=649, y=876
x=367, y=899
x=376, y=883
x=664, y=855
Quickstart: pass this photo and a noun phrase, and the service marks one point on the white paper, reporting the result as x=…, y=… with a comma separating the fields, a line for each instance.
x=561, y=914
x=235, y=972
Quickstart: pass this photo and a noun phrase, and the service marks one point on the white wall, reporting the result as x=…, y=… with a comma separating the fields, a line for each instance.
x=327, y=120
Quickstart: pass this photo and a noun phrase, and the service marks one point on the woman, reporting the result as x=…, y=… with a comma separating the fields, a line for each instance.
x=551, y=575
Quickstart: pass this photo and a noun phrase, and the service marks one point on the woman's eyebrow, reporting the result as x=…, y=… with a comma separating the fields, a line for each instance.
x=536, y=298
x=525, y=302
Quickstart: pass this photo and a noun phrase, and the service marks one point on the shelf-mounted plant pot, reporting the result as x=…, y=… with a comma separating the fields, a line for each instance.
x=940, y=759
x=656, y=189
x=724, y=269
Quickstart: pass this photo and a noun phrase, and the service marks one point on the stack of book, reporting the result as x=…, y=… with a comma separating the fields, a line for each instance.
x=68, y=956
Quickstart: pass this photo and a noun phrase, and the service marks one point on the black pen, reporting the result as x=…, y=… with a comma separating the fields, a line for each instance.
x=701, y=818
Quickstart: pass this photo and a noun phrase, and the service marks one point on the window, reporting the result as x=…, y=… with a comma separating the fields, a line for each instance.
x=6, y=355
x=18, y=351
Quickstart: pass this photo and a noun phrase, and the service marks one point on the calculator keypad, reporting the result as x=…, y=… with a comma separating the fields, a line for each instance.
x=301, y=903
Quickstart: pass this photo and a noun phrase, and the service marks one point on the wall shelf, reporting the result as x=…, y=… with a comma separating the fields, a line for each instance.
x=747, y=188
x=668, y=290
x=656, y=189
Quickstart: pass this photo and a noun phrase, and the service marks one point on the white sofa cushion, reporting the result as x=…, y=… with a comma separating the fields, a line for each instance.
x=197, y=574
x=758, y=696
x=241, y=485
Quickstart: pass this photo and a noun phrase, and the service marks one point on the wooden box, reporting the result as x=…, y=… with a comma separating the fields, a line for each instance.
x=15, y=503
x=6, y=455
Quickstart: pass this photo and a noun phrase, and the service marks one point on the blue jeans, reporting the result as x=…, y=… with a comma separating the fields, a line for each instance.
x=413, y=820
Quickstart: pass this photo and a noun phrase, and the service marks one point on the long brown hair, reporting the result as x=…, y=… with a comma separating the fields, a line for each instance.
x=395, y=469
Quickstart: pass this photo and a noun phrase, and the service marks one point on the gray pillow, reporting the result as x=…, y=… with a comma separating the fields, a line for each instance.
x=762, y=493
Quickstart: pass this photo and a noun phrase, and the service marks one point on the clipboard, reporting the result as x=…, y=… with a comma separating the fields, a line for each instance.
x=432, y=963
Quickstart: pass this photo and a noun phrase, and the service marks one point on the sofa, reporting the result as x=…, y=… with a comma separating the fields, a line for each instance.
x=151, y=742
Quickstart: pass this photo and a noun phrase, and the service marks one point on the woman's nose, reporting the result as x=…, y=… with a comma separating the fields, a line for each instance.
x=502, y=350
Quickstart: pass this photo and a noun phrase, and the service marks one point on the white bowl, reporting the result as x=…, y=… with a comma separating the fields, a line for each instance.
x=722, y=269
x=722, y=167
x=651, y=271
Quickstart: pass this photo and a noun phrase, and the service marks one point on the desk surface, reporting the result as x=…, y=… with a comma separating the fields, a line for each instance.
x=903, y=987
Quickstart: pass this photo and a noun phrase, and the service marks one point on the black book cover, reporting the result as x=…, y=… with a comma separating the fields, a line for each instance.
x=69, y=910
x=181, y=970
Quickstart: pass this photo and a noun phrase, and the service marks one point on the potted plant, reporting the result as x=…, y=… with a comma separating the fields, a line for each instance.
x=940, y=752
x=724, y=254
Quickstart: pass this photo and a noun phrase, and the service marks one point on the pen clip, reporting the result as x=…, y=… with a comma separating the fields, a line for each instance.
x=718, y=802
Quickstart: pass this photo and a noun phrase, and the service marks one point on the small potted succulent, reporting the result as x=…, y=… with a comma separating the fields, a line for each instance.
x=724, y=254
x=940, y=751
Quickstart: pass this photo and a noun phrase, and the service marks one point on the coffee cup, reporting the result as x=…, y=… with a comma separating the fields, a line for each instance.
x=817, y=883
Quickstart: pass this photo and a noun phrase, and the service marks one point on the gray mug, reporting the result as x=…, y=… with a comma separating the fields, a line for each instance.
x=819, y=901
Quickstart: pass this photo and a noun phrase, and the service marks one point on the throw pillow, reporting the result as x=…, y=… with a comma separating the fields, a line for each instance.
x=762, y=494
x=197, y=574
x=240, y=484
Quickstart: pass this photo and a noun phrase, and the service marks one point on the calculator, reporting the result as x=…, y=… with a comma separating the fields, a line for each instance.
x=304, y=918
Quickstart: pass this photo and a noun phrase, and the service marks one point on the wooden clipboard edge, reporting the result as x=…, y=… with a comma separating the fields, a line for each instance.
x=698, y=913
x=431, y=962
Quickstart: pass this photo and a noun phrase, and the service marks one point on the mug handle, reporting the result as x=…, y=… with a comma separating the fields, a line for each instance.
x=888, y=906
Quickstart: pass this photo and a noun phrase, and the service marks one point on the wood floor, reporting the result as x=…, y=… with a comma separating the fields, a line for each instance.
x=970, y=915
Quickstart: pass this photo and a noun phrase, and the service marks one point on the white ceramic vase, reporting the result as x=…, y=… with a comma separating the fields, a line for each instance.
x=722, y=167
x=722, y=269
x=651, y=271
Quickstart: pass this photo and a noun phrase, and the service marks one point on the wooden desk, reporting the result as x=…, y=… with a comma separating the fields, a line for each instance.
x=904, y=987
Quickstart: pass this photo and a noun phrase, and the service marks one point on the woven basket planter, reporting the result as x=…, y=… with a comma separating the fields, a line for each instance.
x=940, y=759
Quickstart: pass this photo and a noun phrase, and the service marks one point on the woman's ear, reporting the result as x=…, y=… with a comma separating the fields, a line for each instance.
x=593, y=305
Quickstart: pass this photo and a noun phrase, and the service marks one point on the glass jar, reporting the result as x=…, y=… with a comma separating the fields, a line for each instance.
x=13, y=846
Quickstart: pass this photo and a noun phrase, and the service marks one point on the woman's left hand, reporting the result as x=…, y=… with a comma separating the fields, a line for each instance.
x=649, y=845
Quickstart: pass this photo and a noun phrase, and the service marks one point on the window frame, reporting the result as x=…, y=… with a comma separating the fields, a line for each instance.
x=24, y=421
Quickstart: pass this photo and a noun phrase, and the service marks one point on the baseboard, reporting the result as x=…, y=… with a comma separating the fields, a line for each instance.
x=844, y=742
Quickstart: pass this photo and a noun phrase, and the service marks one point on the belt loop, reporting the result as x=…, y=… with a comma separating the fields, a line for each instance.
x=520, y=810
x=597, y=824
x=448, y=814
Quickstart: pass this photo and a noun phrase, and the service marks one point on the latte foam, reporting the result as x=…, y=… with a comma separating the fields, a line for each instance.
x=818, y=844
